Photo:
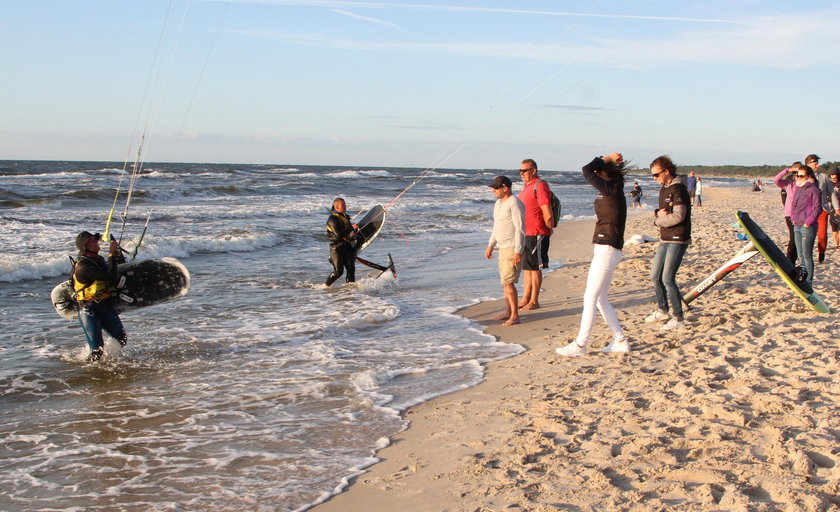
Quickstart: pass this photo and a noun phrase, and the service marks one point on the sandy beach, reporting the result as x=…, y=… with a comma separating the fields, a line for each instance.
x=736, y=412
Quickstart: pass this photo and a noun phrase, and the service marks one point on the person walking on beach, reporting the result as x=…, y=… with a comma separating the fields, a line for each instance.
x=93, y=278
x=606, y=174
x=509, y=236
x=805, y=210
x=636, y=194
x=673, y=216
x=539, y=222
x=834, y=219
x=824, y=184
x=342, y=235
x=691, y=184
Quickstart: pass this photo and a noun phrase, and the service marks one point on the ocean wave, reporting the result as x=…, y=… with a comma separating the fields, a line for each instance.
x=364, y=174
x=19, y=269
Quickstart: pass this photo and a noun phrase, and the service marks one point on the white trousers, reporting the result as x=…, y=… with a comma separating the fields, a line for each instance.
x=604, y=261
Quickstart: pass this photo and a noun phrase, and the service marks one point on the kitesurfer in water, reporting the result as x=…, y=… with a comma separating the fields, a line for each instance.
x=93, y=278
x=342, y=235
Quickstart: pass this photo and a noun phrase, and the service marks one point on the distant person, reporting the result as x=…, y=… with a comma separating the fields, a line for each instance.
x=509, y=236
x=636, y=194
x=834, y=219
x=93, y=278
x=824, y=184
x=786, y=180
x=698, y=193
x=691, y=184
x=539, y=222
x=342, y=235
x=606, y=174
x=805, y=210
x=673, y=216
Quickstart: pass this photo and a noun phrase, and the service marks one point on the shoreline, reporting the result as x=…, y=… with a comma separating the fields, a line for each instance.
x=736, y=412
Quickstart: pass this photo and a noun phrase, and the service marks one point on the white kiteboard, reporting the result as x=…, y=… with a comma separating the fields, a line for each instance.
x=370, y=224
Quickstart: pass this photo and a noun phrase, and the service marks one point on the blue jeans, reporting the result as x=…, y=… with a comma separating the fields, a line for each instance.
x=804, y=239
x=96, y=316
x=666, y=262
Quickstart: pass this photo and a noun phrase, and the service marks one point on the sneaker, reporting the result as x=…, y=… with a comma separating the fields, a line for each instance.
x=571, y=350
x=620, y=346
x=657, y=316
x=672, y=324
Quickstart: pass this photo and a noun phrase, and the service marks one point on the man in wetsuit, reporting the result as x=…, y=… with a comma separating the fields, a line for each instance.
x=93, y=278
x=342, y=235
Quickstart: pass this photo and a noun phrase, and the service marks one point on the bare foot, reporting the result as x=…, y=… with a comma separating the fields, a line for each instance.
x=531, y=306
x=502, y=317
x=512, y=321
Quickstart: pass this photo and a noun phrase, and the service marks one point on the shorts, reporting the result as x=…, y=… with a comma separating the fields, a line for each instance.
x=535, y=255
x=507, y=270
x=834, y=220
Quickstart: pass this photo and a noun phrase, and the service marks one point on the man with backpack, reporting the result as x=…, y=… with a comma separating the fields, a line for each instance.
x=539, y=224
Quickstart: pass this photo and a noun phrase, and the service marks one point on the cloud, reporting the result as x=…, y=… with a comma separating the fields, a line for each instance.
x=579, y=109
x=343, y=4
x=364, y=18
x=792, y=41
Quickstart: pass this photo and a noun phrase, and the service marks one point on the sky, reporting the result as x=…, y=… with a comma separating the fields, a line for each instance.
x=429, y=84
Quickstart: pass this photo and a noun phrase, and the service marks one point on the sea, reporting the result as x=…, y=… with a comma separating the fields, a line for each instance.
x=261, y=389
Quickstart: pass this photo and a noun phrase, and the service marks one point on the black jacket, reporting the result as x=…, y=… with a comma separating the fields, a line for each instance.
x=610, y=206
x=675, y=199
x=88, y=270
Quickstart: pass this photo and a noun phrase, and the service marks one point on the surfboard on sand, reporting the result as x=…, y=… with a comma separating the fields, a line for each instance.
x=370, y=224
x=139, y=284
x=780, y=262
x=741, y=257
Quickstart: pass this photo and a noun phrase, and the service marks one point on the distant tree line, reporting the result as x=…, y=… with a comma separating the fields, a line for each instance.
x=749, y=171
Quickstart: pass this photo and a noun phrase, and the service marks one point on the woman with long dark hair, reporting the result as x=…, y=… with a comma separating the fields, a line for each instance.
x=606, y=174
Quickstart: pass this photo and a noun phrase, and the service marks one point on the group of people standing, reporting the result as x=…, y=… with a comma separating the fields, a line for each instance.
x=522, y=228
x=811, y=201
x=511, y=233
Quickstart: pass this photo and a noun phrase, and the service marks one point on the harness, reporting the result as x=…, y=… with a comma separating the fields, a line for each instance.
x=96, y=291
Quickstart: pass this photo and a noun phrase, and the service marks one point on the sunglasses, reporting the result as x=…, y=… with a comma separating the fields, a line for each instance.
x=801, y=175
x=655, y=174
x=529, y=169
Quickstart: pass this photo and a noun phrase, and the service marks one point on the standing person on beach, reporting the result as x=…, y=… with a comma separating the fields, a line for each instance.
x=636, y=194
x=834, y=219
x=509, y=236
x=606, y=174
x=691, y=184
x=805, y=210
x=536, y=196
x=93, y=278
x=342, y=234
x=674, y=220
x=698, y=193
x=824, y=184
x=786, y=180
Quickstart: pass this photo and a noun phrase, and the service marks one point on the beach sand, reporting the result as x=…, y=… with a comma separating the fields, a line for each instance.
x=736, y=412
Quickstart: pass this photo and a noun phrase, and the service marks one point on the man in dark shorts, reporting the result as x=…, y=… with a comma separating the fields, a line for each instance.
x=536, y=196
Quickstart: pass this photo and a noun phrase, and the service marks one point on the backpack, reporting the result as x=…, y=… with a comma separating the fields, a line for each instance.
x=556, y=208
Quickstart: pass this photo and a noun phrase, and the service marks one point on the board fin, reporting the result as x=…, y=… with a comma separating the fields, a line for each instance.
x=382, y=268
